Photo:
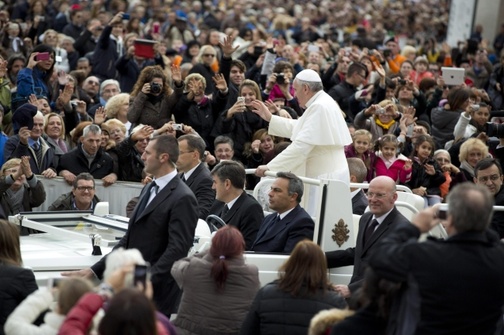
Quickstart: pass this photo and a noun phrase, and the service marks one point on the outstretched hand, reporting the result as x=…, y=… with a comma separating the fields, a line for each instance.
x=260, y=109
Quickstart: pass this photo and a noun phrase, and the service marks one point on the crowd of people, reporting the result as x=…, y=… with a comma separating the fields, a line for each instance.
x=183, y=96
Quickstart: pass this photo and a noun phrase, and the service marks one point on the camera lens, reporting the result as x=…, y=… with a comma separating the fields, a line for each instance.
x=155, y=88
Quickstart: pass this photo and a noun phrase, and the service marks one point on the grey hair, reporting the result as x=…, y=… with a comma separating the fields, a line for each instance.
x=312, y=85
x=295, y=184
x=471, y=207
x=109, y=82
x=357, y=168
x=92, y=128
x=119, y=258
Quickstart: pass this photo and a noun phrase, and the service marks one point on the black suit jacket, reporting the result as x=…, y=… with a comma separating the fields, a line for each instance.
x=283, y=237
x=359, y=256
x=164, y=233
x=359, y=203
x=246, y=215
x=458, y=280
x=200, y=182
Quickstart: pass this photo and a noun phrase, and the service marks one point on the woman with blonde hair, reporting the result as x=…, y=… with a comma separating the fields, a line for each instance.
x=17, y=282
x=287, y=305
x=380, y=119
x=471, y=152
x=117, y=108
x=55, y=135
x=152, y=98
x=239, y=122
x=207, y=65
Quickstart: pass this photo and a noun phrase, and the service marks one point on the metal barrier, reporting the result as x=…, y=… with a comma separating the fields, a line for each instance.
x=117, y=195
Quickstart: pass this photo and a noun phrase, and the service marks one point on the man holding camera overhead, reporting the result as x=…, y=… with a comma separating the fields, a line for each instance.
x=454, y=285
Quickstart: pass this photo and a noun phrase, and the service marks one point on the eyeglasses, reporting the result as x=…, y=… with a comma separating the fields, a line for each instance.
x=85, y=188
x=208, y=55
x=92, y=82
x=376, y=195
x=363, y=76
x=484, y=179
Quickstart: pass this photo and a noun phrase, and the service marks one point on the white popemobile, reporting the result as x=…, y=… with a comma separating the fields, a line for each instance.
x=78, y=239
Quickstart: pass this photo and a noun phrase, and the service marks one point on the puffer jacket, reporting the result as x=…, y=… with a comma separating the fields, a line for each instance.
x=202, y=309
x=276, y=312
x=443, y=123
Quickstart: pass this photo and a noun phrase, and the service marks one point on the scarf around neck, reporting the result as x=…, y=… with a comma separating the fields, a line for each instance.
x=385, y=126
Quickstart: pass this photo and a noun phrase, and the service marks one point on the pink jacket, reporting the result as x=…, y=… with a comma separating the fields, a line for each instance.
x=396, y=171
x=80, y=317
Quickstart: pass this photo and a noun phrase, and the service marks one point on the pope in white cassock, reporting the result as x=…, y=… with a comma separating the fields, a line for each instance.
x=318, y=136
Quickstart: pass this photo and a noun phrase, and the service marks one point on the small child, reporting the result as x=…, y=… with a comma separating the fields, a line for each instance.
x=361, y=148
x=389, y=162
x=426, y=177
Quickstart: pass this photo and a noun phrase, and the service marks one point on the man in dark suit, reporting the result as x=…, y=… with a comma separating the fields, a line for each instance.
x=233, y=204
x=488, y=172
x=162, y=224
x=358, y=173
x=194, y=173
x=281, y=231
x=373, y=226
x=457, y=282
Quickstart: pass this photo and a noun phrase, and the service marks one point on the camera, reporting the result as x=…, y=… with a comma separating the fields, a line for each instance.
x=387, y=53
x=280, y=78
x=126, y=16
x=178, y=126
x=442, y=211
x=380, y=110
x=402, y=82
x=41, y=18
x=155, y=88
x=475, y=107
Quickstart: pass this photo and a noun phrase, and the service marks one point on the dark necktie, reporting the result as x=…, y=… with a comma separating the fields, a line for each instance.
x=370, y=230
x=38, y=155
x=272, y=224
x=145, y=199
x=183, y=178
x=225, y=209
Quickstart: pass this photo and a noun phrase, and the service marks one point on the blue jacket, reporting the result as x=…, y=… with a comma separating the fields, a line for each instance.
x=32, y=81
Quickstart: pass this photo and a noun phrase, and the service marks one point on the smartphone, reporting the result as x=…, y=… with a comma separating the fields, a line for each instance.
x=240, y=99
x=42, y=56
x=409, y=131
x=126, y=16
x=54, y=282
x=177, y=126
x=258, y=50
x=442, y=211
x=156, y=27
x=313, y=48
x=140, y=275
x=41, y=18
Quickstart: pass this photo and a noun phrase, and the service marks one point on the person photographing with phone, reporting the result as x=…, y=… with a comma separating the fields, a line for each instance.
x=35, y=77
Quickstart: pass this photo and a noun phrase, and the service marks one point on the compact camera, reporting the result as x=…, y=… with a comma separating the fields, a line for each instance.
x=155, y=88
x=475, y=107
x=280, y=78
x=178, y=126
